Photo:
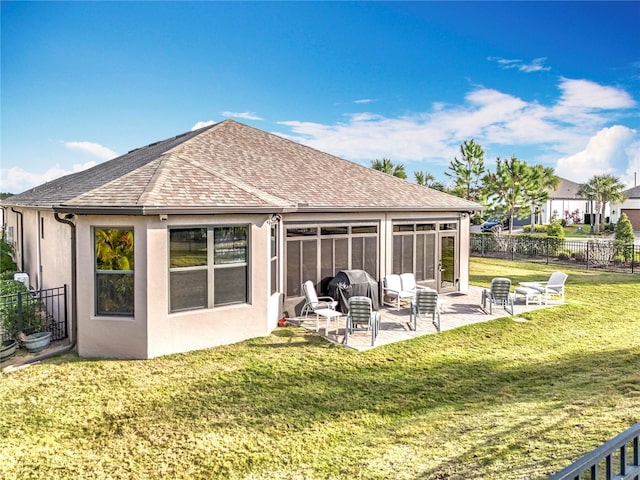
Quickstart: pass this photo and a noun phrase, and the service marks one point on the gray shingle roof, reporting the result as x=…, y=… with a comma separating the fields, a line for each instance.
x=233, y=167
x=633, y=192
x=567, y=190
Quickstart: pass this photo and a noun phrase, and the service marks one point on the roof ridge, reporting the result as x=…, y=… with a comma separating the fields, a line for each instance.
x=261, y=194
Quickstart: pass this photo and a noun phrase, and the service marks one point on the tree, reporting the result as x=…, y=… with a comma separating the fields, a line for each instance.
x=385, y=165
x=428, y=180
x=545, y=179
x=516, y=189
x=468, y=171
x=624, y=229
x=602, y=189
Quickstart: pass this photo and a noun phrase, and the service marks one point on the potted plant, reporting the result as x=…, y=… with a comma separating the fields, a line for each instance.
x=8, y=349
x=21, y=317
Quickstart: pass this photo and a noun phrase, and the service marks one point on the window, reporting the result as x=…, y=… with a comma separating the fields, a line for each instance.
x=114, y=258
x=208, y=266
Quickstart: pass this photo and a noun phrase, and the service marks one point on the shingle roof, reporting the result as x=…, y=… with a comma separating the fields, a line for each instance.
x=567, y=190
x=230, y=166
x=633, y=192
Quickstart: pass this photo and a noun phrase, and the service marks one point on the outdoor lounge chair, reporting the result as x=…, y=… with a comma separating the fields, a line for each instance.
x=553, y=286
x=425, y=303
x=399, y=288
x=361, y=316
x=498, y=294
x=313, y=302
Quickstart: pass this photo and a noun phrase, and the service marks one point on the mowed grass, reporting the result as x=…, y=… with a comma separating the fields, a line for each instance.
x=501, y=399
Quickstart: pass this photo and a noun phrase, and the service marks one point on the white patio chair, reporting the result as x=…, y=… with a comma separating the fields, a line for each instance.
x=552, y=287
x=361, y=316
x=425, y=303
x=498, y=294
x=313, y=302
x=393, y=293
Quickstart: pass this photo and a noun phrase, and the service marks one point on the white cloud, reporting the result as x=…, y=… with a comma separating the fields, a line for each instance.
x=243, y=115
x=503, y=124
x=17, y=180
x=612, y=150
x=200, y=125
x=364, y=100
x=535, y=65
x=92, y=148
x=585, y=94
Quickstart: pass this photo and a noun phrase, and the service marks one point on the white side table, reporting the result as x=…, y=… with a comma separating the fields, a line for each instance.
x=328, y=314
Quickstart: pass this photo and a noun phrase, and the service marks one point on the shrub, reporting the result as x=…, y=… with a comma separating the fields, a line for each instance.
x=541, y=228
x=624, y=229
x=6, y=256
x=579, y=256
x=18, y=312
x=565, y=254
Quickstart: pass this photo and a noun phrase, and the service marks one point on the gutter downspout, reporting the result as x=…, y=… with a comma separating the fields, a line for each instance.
x=74, y=309
x=18, y=212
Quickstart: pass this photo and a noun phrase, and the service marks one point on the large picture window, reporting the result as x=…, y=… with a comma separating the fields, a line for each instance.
x=114, y=268
x=208, y=266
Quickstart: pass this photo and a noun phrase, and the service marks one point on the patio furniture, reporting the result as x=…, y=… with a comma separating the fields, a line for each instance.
x=531, y=295
x=498, y=294
x=552, y=287
x=313, y=302
x=353, y=283
x=328, y=314
x=399, y=288
x=361, y=316
x=425, y=303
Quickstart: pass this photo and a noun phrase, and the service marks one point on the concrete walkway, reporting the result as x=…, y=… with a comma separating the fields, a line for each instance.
x=458, y=309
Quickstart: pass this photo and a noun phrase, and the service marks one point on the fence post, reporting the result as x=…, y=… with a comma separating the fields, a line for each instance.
x=19, y=311
x=513, y=253
x=588, y=243
x=547, y=244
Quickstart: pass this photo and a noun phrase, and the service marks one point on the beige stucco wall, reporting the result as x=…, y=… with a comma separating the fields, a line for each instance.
x=45, y=245
x=153, y=331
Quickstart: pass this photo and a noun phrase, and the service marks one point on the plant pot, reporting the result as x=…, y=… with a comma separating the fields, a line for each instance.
x=36, y=342
x=8, y=349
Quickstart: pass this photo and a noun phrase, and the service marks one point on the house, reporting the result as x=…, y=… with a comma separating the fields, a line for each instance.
x=205, y=238
x=564, y=201
x=631, y=206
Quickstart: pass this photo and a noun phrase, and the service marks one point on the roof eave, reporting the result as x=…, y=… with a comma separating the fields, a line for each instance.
x=205, y=210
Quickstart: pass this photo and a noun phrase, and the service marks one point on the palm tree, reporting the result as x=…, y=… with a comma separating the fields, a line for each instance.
x=602, y=189
x=545, y=180
x=426, y=179
x=386, y=166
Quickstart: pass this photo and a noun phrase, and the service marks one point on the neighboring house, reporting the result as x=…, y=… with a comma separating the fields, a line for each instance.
x=565, y=201
x=631, y=206
x=204, y=239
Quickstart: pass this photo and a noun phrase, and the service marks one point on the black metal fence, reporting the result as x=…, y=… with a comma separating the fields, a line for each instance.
x=617, y=459
x=29, y=312
x=588, y=253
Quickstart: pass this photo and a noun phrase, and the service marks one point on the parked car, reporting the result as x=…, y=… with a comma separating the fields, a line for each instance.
x=494, y=224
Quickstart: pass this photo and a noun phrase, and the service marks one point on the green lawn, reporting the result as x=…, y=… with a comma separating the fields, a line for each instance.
x=502, y=399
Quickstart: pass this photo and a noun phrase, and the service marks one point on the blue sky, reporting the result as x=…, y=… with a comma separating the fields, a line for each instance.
x=552, y=83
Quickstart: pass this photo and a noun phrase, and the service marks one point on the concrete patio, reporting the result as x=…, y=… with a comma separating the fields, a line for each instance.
x=458, y=309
